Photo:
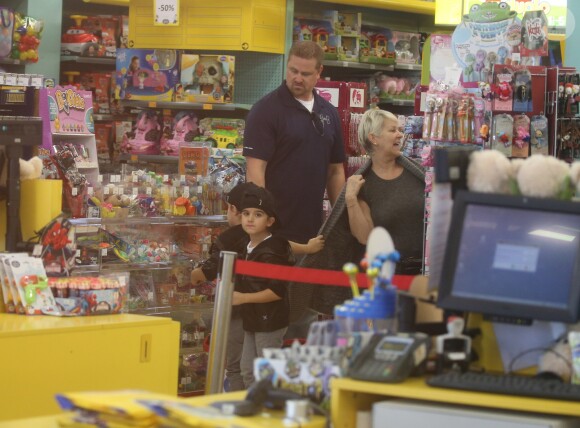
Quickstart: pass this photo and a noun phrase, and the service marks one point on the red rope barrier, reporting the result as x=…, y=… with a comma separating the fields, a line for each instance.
x=309, y=275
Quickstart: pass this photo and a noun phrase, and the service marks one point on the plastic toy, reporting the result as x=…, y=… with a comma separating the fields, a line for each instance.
x=208, y=78
x=77, y=41
x=144, y=139
x=26, y=38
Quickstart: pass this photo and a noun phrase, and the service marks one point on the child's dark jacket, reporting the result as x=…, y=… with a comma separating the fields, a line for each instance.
x=232, y=239
x=265, y=317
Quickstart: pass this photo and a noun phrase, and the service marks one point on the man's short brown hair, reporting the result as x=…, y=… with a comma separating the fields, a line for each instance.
x=307, y=50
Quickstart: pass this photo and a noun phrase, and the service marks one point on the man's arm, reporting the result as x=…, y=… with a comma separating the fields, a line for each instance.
x=256, y=171
x=264, y=296
x=334, y=181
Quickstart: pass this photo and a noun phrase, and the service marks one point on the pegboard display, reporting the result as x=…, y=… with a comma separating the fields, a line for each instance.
x=257, y=73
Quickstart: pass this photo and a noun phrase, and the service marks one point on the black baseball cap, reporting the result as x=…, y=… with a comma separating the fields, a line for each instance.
x=236, y=195
x=262, y=199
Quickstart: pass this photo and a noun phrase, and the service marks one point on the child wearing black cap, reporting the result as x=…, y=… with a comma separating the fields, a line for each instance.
x=264, y=302
x=236, y=239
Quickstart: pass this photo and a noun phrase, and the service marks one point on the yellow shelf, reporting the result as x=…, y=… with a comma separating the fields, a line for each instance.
x=411, y=6
x=349, y=396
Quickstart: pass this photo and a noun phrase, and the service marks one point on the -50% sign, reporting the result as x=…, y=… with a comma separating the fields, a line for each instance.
x=166, y=12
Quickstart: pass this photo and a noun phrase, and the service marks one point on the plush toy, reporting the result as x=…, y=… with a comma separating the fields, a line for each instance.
x=575, y=177
x=489, y=171
x=558, y=359
x=30, y=169
x=545, y=177
x=387, y=85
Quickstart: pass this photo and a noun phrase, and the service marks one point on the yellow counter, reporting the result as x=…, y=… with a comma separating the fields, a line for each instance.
x=44, y=355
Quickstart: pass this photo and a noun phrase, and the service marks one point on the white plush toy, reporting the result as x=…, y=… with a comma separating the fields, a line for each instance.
x=544, y=177
x=575, y=177
x=489, y=171
x=30, y=169
x=540, y=176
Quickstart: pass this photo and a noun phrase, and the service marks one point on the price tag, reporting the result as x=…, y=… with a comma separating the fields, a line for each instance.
x=75, y=191
x=104, y=252
x=186, y=192
x=36, y=81
x=148, y=191
x=2, y=78
x=10, y=79
x=23, y=80
x=37, y=250
x=166, y=12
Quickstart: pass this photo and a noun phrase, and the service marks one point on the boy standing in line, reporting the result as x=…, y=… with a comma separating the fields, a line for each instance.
x=236, y=239
x=264, y=302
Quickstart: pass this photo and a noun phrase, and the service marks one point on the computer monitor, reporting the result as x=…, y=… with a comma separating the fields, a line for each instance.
x=513, y=258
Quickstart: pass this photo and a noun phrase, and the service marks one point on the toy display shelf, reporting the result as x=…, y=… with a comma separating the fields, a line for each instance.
x=129, y=158
x=411, y=67
x=10, y=61
x=410, y=6
x=87, y=60
x=200, y=220
x=358, y=65
x=406, y=103
x=185, y=105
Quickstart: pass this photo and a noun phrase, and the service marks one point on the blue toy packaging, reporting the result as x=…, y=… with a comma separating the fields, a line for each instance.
x=146, y=74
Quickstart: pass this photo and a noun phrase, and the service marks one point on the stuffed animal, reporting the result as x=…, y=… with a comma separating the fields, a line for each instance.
x=30, y=169
x=387, y=85
x=489, y=171
x=558, y=359
x=544, y=177
x=575, y=177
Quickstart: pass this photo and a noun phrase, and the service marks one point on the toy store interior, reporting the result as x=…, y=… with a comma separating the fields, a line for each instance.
x=122, y=132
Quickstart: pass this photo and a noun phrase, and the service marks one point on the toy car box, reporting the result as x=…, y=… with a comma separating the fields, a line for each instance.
x=146, y=74
x=206, y=78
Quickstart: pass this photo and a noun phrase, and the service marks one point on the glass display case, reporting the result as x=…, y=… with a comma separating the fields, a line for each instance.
x=158, y=253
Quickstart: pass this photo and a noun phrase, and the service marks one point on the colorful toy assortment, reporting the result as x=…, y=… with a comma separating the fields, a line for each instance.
x=26, y=37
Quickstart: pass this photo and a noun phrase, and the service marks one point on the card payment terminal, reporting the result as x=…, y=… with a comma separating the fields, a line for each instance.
x=391, y=358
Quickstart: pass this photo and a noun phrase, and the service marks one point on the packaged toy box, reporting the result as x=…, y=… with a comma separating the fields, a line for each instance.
x=222, y=133
x=94, y=36
x=145, y=137
x=65, y=110
x=181, y=128
x=376, y=46
x=146, y=74
x=319, y=31
x=407, y=47
x=206, y=78
x=344, y=23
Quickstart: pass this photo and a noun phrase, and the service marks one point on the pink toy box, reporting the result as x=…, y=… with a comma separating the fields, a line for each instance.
x=144, y=138
x=146, y=74
x=206, y=78
x=407, y=47
x=184, y=128
x=65, y=110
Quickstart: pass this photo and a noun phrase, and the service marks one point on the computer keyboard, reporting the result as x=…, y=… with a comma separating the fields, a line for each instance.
x=507, y=384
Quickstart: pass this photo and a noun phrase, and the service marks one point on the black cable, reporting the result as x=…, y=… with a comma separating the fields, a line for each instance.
x=521, y=354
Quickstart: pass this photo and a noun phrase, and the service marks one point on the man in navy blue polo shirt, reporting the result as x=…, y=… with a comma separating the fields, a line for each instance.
x=293, y=145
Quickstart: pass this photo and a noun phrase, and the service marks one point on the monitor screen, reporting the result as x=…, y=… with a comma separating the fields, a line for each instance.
x=514, y=257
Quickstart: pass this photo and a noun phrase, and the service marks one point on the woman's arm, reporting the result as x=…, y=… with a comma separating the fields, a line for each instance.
x=314, y=245
x=359, y=213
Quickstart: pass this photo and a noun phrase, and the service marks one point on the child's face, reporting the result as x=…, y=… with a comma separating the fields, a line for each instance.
x=255, y=221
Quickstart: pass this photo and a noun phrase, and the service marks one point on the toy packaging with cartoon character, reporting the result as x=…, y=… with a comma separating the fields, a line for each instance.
x=145, y=136
x=376, y=46
x=181, y=128
x=146, y=74
x=206, y=79
x=319, y=31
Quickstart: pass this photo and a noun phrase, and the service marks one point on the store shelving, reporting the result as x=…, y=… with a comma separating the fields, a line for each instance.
x=185, y=105
x=410, y=6
x=87, y=60
x=358, y=65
